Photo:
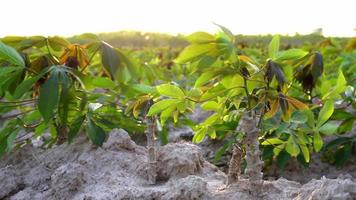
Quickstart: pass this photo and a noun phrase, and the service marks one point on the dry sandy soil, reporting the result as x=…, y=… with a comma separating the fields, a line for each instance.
x=118, y=170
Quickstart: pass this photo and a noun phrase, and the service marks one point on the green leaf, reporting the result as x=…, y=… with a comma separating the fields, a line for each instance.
x=232, y=81
x=211, y=119
x=325, y=112
x=277, y=150
x=225, y=30
x=57, y=43
x=194, y=93
x=272, y=141
x=27, y=84
x=328, y=128
x=292, y=148
x=290, y=54
x=194, y=51
x=102, y=82
x=96, y=134
x=302, y=141
x=273, y=47
x=317, y=141
x=212, y=133
x=200, y=38
x=205, y=78
x=210, y=105
x=310, y=118
x=39, y=130
x=346, y=126
x=110, y=59
x=146, y=89
x=49, y=97
x=341, y=114
x=75, y=128
x=299, y=117
x=199, y=135
x=340, y=83
x=10, y=55
x=282, y=159
x=162, y=105
x=166, y=114
x=343, y=154
x=170, y=91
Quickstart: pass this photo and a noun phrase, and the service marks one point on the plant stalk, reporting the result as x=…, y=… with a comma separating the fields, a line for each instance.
x=151, y=146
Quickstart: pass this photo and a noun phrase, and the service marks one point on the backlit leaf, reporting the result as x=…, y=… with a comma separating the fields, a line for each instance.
x=291, y=54
x=317, y=141
x=170, y=90
x=200, y=38
x=10, y=55
x=273, y=47
x=162, y=105
x=325, y=112
x=272, y=141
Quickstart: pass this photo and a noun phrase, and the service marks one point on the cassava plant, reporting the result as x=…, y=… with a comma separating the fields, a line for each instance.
x=47, y=82
x=268, y=104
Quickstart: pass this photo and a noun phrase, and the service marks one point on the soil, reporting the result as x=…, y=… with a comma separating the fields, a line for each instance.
x=118, y=170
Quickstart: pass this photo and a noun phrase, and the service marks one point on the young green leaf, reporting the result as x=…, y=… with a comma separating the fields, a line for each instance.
x=102, y=82
x=273, y=47
x=200, y=38
x=166, y=114
x=170, y=91
x=292, y=148
x=199, y=135
x=317, y=141
x=340, y=83
x=210, y=105
x=290, y=54
x=195, y=51
x=162, y=105
x=205, y=78
x=272, y=141
x=325, y=112
x=302, y=142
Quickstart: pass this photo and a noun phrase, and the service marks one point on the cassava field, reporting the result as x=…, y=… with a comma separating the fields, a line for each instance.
x=130, y=115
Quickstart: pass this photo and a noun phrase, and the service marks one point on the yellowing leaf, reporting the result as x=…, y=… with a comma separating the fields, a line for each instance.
x=273, y=110
x=297, y=104
x=74, y=55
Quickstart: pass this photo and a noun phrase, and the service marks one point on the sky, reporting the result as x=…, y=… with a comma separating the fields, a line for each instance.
x=69, y=17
